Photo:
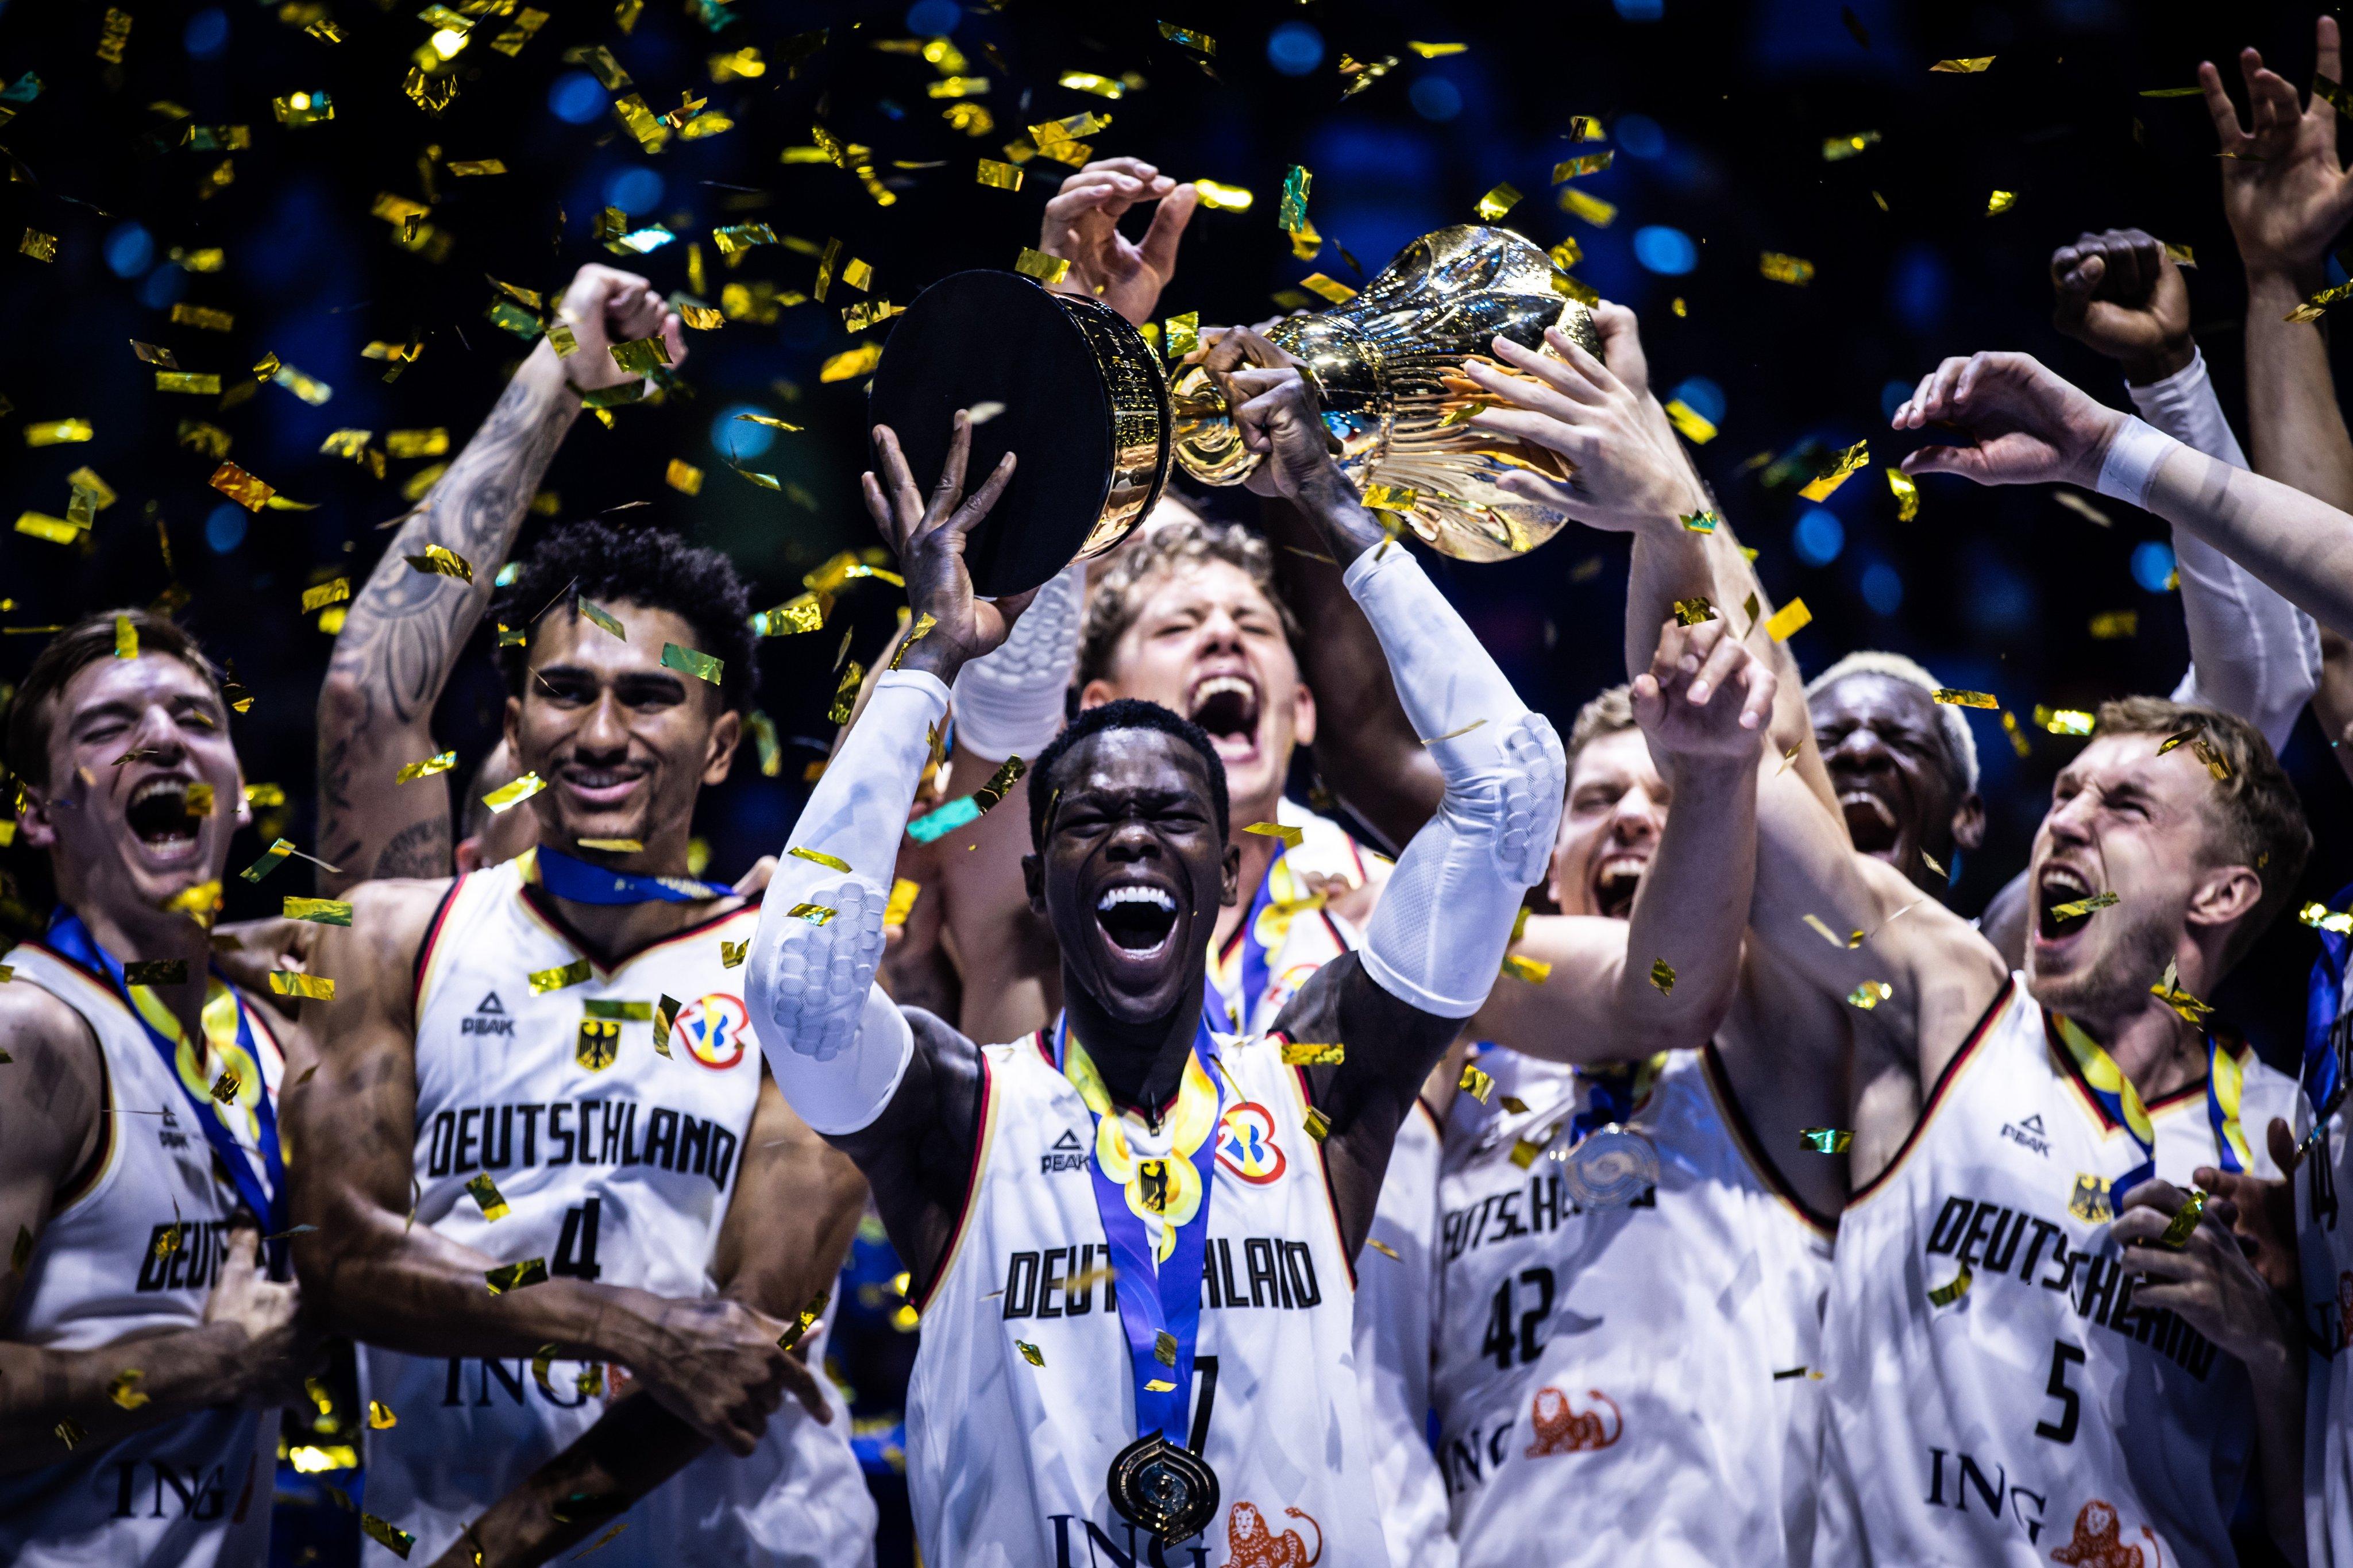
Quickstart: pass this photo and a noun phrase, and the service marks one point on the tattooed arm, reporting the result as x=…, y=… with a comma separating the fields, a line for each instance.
x=407, y=627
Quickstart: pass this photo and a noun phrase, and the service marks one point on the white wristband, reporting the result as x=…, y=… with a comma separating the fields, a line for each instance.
x=2130, y=467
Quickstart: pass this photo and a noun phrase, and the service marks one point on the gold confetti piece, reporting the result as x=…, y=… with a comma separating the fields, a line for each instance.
x=486, y=1193
x=2111, y=625
x=126, y=638
x=1870, y=995
x=851, y=363
x=1101, y=86
x=1474, y=1082
x=1582, y=128
x=2083, y=906
x=1291, y=215
x=1319, y=1126
x=903, y=894
x=201, y=316
x=1030, y=1352
x=731, y=954
x=1454, y=734
x=803, y=613
x=1837, y=149
x=1535, y=970
x=2185, y=1221
x=156, y=971
x=2000, y=201
x=1001, y=175
x=1908, y=495
x=683, y=476
x=2320, y=917
x=1963, y=66
x=2168, y=991
x=816, y=914
x=1826, y=1140
x=2009, y=726
x=241, y=486
x=2215, y=761
x=38, y=246
x=380, y=1418
x=1828, y=935
x=1514, y=1104
x=1220, y=197
x=58, y=432
x=1693, y=612
x=286, y=982
x=511, y=795
x=69, y=1432
x=516, y=1276
x=1524, y=1152
x=665, y=1015
x=1048, y=269
x=123, y=1390
x=151, y=354
x=596, y=614
x=298, y=108
x=1331, y=288
x=1591, y=208
x=426, y=769
x=199, y=800
x=318, y=911
x=832, y=863
x=773, y=424
x=1851, y=461
x=439, y=560
x=2063, y=721
x=1662, y=975
x=1585, y=164
x=576, y=972
x=1781, y=269
x=1501, y=200
x=1931, y=861
x=334, y=592
x=271, y=859
x=1391, y=497
x=40, y=525
x=1946, y=1294
x=640, y=356
x=1693, y=425
x=1956, y=697
x=199, y=903
x=1306, y=1054
x=1164, y=1348
x=804, y=1320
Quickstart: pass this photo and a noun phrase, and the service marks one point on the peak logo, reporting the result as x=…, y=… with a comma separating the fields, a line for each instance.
x=490, y=1017
x=2029, y=1134
x=1067, y=1154
x=715, y=1028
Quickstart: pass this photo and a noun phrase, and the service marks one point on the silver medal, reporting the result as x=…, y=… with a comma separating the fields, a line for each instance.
x=1609, y=1168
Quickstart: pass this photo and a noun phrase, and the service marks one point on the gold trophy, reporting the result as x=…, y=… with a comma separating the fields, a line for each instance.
x=1388, y=364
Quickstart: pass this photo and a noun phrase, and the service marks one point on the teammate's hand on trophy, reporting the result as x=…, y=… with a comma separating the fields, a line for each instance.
x=1276, y=412
x=2209, y=1280
x=2118, y=294
x=2024, y=424
x=929, y=537
x=2284, y=190
x=605, y=306
x=1705, y=695
x=1082, y=227
x=715, y=1365
x=1625, y=470
x=281, y=1348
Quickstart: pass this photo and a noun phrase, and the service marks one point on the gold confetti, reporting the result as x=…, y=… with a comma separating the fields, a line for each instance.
x=1830, y=936
x=1001, y=175
x=439, y=560
x=1454, y=734
x=204, y=318
x=298, y=108
x=803, y=613
x=804, y=1320
x=410, y=772
x=40, y=525
x=1319, y=1126
x=1478, y=1085
x=69, y=1432
x=1956, y=697
x=199, y=903
x=1837, y=149
x=1792, y=269
x=596, y=614
x=516, y=1276
x=819, y=858
x=1908, y=495
x=851, y=363
x=1870, y=995
x=1220, y=197
x=731, y=954
x=240, y=487
x=2185, y=1221
x=123, y=1390
x=1503, y=198
x=318, y=911
x=2063, y=721
x=38, y=246
x=1963, y=66
x=1788, y=620
x=1851, y=461
x=1662, y=975
x=1331, y=288
x=1946, y=1294
x=286, y=982
x=2168, y=991
x=1591, y=208
x=617, y=846
x=1291, y=836
x=1691, y=424
x=816, y=914
x=1826, y=1140
x=1048, y=269
x=58, y=432
x=576, y=972
x=486, y=1193
x=511, y=795
x=1306, y=1054
x=903, y=894
x=2075, y=908
x=271, y=859
x=380, y=1416
x=2214, y=759
x=1030, y=1352
x=1291, y=215
x=1535, y=970
x=1693, y=612
x=1164, y=1348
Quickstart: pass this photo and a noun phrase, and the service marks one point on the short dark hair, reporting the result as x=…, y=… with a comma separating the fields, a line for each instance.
x=1127, y=714
x=69, y=653
x=652, y=567
x=2258, y=821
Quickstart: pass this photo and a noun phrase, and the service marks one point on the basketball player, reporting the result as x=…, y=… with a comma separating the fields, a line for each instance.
x=506, y=1088
x=142, y=1344
x=1128, y=814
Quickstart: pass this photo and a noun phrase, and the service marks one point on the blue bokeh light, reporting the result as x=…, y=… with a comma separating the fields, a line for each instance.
x=1892, y=396
x=1666, y=251
x=933, y=18
x=225, y=528
x=1640, y=136
x=1882, y=588
x=162, y=288
x=206, y=37
x=1701, y=396
x=1435, y=98
x=2152, y=564
x=1295, y=48
x=1818, y=537
x=740, y=438
x=575, y=99
x=129, y=250
x=1642, y=10
x=636, y=189
x=1919, y=286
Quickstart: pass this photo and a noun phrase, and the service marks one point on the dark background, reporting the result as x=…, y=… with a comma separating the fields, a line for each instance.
x=1716, y=111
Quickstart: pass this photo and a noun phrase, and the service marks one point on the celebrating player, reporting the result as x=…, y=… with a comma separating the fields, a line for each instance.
x=143, y=1345
x=1206, y=1187
x=566, y=1208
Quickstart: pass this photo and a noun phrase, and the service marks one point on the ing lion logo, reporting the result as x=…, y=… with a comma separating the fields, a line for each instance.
x=2099, y=1542
x=1560, y=1430
x=1249, y=1544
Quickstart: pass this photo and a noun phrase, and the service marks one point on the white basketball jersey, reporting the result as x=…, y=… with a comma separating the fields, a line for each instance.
x=193, y=1492
x=2038, y=1414
x=616, y=1164
x=1007, y=1459
x=1631, y=1385
x=2325, y=1245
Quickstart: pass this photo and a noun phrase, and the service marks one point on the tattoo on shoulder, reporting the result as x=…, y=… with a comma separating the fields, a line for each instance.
x=420, y=850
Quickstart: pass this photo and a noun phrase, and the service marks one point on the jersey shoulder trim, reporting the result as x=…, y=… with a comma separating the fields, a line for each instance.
x=424, y=949
x=984, y=1134
x=1296, y=1076
x=2001, y=1002
x=1752, y=1148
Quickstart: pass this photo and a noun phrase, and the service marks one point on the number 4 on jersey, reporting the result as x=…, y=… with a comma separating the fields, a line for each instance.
x=1502, y=1341
x=575, y=1250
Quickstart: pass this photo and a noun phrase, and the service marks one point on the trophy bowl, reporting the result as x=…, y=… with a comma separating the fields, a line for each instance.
x=1388, y=364
x=1083, y=399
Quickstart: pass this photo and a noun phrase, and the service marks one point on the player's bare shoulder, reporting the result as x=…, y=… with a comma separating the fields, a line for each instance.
x=372, y=961
x=54, y=1082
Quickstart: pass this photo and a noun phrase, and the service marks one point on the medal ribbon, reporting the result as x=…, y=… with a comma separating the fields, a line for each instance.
x=1618, y=1088
x=264, y=1193
x=2323, y=1048
x=1159, y=1288
x=568, y=877
x=1276, y=904
x=2121, y=1101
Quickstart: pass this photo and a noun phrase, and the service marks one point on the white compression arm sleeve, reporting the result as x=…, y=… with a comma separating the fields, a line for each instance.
x=2252, y=653
x=836, y=1043
x=1009, y=703
x=1437, y=937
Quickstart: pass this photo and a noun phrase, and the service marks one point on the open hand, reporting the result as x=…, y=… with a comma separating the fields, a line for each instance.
x=2210, y=1283
x=929, y=540
x=1705, y=695
x=2027, y=423
x=605, y=306
x=2120, y=294
x=2283, y=188
x=1081, y=225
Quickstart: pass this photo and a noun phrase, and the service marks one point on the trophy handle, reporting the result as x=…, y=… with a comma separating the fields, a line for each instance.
x=1205, y=440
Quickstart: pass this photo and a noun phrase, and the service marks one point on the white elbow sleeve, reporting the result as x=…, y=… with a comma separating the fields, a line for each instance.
x=1437, y=937
x=822, y=1023
x=1009, y=702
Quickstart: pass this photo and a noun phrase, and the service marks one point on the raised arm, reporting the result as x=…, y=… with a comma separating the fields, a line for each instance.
x=2030, y=427
x=373, y=1273
x=2252, y=653
x=249, y=1349
x=788, y=1229
x=407, y=627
